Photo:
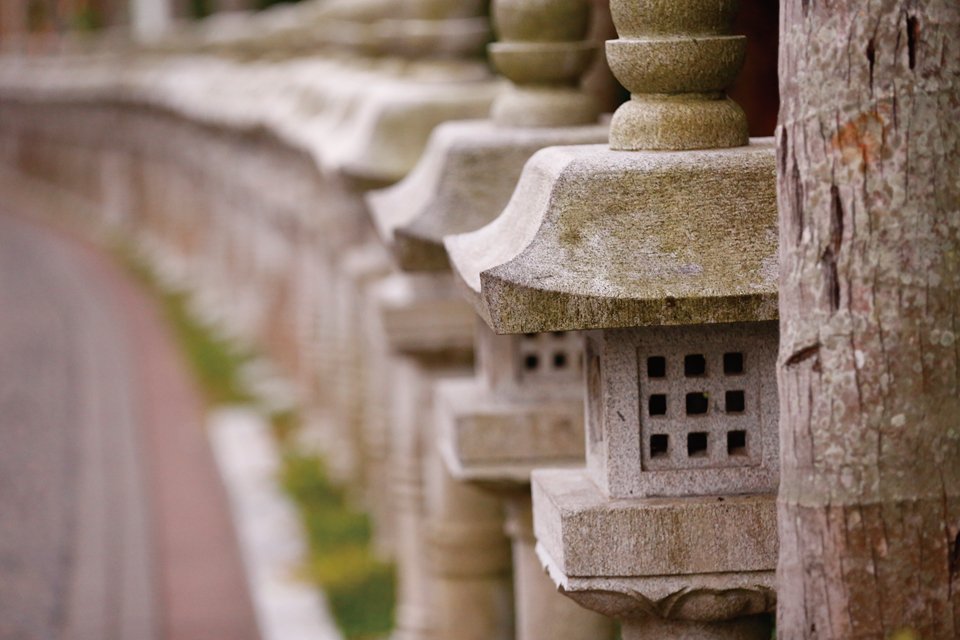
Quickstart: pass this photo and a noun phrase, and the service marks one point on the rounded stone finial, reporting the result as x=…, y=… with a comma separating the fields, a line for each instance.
x=677, y=58
x=543, y=51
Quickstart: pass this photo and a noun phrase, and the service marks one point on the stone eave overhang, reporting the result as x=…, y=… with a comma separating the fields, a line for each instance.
x=595, y=238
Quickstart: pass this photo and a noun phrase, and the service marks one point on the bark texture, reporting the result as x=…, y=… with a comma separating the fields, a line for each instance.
x=869, y=191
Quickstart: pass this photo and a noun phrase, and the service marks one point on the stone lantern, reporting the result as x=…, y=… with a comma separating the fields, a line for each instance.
x=524, y=408
x=522, y=411
x=664, y=247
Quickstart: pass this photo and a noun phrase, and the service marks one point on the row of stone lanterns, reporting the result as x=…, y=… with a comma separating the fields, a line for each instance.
x=663, y=245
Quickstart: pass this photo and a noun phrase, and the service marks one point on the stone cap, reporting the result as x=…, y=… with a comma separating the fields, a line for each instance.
x=464, y=179
x=595, y=238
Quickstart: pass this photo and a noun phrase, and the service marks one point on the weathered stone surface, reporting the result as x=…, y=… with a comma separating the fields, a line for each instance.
x=669, y=123
x=538, y=367
x=487, y=438
x=676, y=59
x=420, y=314
x=594, y=238
x=364, y=118
x=737, y=445
x=586, y=534
x=542, y=611
x=463, y=180
x=544, y=52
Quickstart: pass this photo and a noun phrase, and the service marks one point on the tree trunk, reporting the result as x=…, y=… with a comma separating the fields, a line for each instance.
x=869, y=163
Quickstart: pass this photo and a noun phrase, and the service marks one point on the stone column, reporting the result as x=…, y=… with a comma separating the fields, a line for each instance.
x=544, y=52
x=452, y=556
x=436, y=28
x=664, y=246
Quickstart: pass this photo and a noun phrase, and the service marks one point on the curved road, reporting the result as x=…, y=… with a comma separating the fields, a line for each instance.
x=113, y=522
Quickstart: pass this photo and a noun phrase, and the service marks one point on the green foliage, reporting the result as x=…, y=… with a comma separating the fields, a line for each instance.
x=87, y=19
x=360, y=588
x=211, y=358
x=263, y=4
x=284, y=424
x=199, y=9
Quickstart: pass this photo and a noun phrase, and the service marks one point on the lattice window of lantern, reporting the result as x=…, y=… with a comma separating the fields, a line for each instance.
x=699, y=405
x=550, y=357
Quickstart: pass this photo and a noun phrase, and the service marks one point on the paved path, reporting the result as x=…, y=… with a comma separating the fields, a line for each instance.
x=113, y=521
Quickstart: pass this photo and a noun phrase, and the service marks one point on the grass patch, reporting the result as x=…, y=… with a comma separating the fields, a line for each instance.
x=359, y=587
x=284, y=425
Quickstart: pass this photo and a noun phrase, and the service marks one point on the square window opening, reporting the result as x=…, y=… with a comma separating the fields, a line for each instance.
x=657, y=367
x=659, y=445
x=694, y=365
x=733, y=363
x=736, y=402
x=736, y=443
x=697, y=444
x=560, y=360
x=531, y=362
x=657, y=404
x=697, y=403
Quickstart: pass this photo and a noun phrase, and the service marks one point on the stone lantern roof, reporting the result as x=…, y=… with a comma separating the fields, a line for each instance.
x=597, y=238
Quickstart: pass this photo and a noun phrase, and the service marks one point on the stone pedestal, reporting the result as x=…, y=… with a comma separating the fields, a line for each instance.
x=700, y=567
x=469, y=559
